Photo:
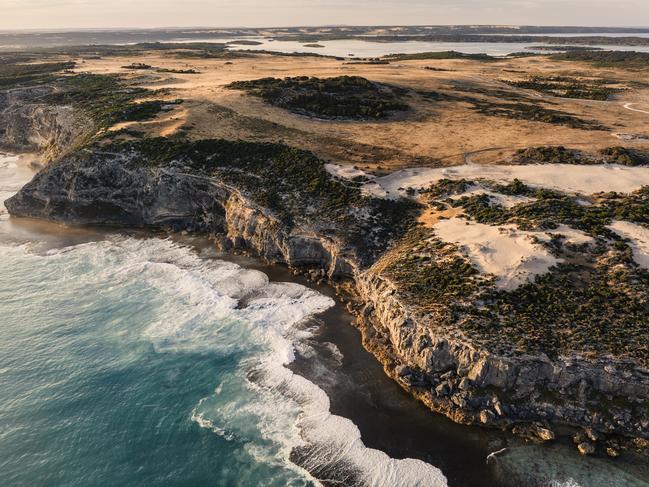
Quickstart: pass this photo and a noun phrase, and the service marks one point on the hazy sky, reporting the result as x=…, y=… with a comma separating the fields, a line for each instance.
x=16, y=14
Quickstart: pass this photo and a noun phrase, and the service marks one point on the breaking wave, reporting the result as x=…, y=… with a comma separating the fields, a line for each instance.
x=213, y=307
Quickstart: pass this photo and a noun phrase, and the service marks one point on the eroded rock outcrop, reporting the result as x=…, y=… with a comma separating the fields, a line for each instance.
x=29, y=125
x=103, y=188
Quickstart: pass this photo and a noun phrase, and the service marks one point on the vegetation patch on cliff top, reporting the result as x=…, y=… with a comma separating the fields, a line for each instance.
x=106, y=99
x=547, y=209
x=17, y=75
x=613, y=59
x=623, y=156
x=533, y=112
x=516, y=107
x=566, y=87
x=592, y=301
x=290, y=182
x=440, y=55
x=552, y=274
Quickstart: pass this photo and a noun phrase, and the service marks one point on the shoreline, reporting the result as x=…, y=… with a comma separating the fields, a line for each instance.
x=43, y=236
x=442, y=374
x=406, y=427
x=397, y=422
x=532, y=392
x=389, y=418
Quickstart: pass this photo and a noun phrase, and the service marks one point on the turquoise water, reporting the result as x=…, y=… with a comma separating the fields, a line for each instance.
x=112, y=372
x=131, y=361
x=140, y=362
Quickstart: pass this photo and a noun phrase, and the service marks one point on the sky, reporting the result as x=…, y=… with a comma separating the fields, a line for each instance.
x=59, y=14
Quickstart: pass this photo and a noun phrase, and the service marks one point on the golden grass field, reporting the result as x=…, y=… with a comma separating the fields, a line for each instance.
x=433, y=132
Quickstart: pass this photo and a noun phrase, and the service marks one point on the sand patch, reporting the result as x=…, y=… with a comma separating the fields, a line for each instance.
x=431, y=216
x=567, y=178
x=513, y=256
x=344, y=172
x=639, y=238
x=163, y=126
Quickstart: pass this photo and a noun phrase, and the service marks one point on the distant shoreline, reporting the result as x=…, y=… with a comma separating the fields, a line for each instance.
x=17, y=39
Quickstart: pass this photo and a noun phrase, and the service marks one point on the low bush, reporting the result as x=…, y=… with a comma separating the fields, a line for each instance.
x=349, y=97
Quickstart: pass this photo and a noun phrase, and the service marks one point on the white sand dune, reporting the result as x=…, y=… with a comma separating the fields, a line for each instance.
x=510, y=254
x=567, y=178
x=345, y=172
x=638, y=237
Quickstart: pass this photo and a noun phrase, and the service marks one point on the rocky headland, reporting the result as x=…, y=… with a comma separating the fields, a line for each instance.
x=281, y=203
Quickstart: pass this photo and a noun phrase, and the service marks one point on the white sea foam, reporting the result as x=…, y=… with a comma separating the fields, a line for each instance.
x=10, y=180
x=205, y=423
x=567, y=483
x=335, y=352
x=556, y=466
x=276, y=416
x=332, y=445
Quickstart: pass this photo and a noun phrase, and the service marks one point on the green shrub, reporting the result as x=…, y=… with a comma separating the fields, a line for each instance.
x=341, y=97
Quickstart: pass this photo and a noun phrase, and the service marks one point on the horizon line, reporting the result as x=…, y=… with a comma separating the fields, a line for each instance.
x=198, y=27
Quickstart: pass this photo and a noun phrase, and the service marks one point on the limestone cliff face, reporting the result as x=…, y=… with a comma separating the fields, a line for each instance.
x=447, y=373
x=475, y=386
x=105, y=189
x=29, y=125
x=249, y=227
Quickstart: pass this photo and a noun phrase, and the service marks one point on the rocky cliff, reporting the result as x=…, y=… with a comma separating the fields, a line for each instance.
x=105, y=188
x=29, y=125
x=474, y=386
x=103, y=185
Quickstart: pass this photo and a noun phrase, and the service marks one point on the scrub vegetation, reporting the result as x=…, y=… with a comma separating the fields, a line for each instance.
x=623, y=156
x=106, y=99
x=290, y=182
x=350, y=97
x=593, y=301
x=566, y=87
x=18, y=75
x=613, y=59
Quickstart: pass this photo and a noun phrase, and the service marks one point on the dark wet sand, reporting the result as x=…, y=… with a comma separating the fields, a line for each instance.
x=389, y=419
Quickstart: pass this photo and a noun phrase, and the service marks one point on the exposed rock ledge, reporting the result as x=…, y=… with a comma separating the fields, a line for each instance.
x=27, y=125
x=452, y=377
x=474, y=386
